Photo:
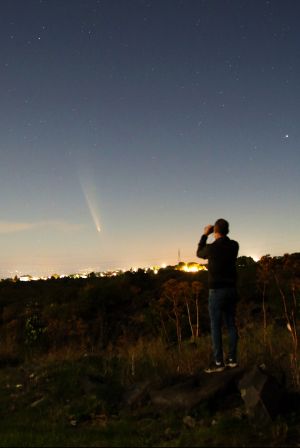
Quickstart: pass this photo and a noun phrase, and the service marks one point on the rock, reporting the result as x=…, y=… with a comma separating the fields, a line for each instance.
x=238, y=413
x=168, y=432
x=189, y=422
x=171, y=434
x=194, y=390
x=137, y=393
x=37, y=403
x=262, y=395
x=90, y=383
x=101, y=420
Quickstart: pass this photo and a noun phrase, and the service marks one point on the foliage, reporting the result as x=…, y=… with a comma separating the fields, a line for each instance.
x=281, y=275
x=96, y=313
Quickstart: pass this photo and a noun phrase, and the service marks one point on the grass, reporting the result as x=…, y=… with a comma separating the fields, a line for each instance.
x=71, y=409
x=43, y=435
x=71, y=400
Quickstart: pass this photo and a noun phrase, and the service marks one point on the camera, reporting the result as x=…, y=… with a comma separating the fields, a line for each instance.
x=211, y=229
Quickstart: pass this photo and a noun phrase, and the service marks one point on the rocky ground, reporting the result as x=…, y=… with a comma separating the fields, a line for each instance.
x=77, y=404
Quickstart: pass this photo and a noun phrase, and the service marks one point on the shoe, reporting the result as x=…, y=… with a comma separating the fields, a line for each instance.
x=215, y=367
x=231, y=363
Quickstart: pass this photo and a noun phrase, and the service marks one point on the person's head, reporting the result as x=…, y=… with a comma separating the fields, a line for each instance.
x=221, y=227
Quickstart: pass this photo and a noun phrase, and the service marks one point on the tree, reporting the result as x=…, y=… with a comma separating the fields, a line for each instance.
x=244, y=261
x=197, y=289
x=264, y=277
x=171, y=302
x=179, y=295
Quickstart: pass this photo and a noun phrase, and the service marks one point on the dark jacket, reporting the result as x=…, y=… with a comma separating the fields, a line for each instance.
x=221, y=256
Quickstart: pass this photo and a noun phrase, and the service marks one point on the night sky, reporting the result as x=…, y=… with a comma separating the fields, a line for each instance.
x=146, y=120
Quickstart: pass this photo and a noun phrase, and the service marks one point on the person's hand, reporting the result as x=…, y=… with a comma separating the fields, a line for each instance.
x=208, y=229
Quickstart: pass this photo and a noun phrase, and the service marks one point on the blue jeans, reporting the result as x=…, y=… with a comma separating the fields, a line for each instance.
x=222, y=302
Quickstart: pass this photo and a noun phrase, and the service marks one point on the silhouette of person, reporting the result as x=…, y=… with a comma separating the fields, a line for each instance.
x=222, y=278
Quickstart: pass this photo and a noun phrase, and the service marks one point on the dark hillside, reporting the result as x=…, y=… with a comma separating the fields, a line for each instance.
x=72, y=349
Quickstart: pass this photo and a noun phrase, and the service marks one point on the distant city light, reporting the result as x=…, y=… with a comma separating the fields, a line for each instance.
x=255, y=257
x=191, y=267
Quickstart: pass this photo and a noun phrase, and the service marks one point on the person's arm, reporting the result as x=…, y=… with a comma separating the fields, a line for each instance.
x=202, y=248
x=202, y=251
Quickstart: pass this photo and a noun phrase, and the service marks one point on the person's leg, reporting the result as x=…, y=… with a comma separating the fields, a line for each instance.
x=229, y=315
x=215, y=313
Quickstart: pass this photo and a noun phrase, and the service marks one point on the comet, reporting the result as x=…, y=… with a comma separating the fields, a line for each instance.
x=91, y=201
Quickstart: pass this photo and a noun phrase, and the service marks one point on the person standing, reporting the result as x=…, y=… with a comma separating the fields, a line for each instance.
x=222, y=278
